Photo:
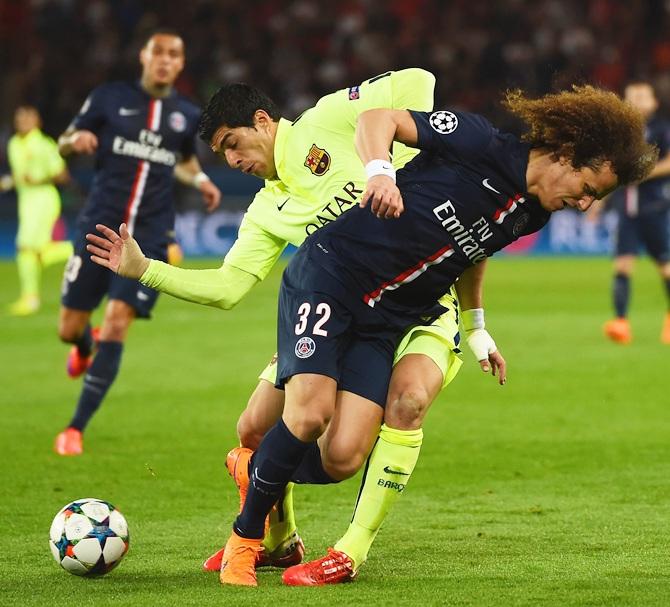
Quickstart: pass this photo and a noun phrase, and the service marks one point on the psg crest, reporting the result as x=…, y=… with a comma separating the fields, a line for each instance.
x=305, y=347
x=318, y=160
x=177, y=122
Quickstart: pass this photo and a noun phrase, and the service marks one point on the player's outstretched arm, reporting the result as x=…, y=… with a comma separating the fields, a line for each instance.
x=118, y=252
x=469, y=288
x=222, y=287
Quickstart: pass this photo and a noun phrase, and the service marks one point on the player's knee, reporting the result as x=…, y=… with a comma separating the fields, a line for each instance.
x=69, y=332
x=342, y=464
x=309, y=426
x=406, y=407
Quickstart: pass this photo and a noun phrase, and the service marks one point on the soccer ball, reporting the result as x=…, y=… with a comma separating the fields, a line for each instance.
x=89, y=537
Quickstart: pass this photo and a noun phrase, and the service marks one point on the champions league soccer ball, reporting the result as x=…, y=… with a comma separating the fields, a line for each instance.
x=89, y=537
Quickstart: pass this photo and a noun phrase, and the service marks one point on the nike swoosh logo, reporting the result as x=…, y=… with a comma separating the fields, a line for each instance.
x=487, y=185
x=124, y=111
x=281, y=206
x=389, y=471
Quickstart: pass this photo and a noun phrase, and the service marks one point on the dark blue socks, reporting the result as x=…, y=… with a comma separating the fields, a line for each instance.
x=272, y=466
x=97, y=381
x=621, y=294
x=310, y=471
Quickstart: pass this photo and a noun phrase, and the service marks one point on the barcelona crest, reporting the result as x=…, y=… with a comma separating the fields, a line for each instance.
x=318, y=160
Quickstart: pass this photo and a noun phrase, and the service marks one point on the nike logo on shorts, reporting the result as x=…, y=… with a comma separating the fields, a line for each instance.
x=124, y=111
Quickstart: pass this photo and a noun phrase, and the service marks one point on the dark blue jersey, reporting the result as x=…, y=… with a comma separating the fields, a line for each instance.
x=465, y=198
x=651, y=196
x=140, y=139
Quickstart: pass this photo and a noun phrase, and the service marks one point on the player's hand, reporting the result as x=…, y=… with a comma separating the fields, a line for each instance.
x=118, y=252
x=83, y=142
x=486, y=352
x=210, y=194
x=383, y=196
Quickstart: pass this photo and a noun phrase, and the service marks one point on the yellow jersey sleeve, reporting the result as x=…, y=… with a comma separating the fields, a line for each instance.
x=315, y=154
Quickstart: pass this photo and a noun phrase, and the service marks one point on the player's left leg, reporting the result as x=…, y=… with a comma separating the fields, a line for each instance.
x=664, y=269
x=29, y=271
x=118, y=317
x=426, y=361
x=656, y=237
x=310, y=403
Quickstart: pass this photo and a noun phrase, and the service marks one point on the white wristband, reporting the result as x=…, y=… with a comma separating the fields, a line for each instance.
x=199, y=179
x=473, y=319
x=380, y=167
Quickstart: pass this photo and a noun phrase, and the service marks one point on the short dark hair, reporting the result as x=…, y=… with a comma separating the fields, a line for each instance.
x=158, y=31
x=589, y=126
x=234, y=105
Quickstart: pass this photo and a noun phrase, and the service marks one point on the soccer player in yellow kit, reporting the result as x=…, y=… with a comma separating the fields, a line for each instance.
x=36, y=168
x=313, y=175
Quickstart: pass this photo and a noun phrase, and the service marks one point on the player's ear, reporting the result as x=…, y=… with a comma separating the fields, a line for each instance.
x=262, y=119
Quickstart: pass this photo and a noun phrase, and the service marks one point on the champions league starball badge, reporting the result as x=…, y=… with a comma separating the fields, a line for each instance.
x=444, y=122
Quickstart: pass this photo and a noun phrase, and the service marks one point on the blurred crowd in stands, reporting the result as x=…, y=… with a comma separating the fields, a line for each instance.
x=53, y=52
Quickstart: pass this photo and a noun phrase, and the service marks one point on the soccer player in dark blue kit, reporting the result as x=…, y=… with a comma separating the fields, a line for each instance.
x=143, y=136
x=643, y=218
x=354, y=286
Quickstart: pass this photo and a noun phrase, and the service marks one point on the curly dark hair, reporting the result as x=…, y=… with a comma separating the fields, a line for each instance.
x=234, y=105
x=588, y=126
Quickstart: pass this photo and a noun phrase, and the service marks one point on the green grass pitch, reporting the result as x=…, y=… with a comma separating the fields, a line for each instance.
x=552, y=490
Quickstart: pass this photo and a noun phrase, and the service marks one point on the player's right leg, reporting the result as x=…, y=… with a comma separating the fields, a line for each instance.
x=618, y=328
x=627, y=245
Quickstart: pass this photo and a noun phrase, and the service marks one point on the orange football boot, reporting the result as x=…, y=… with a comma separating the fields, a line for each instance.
x=239, y=561
x=69, y=442
x=290, y=552
x=77, y=364
x=665, y=332
x=618, y=330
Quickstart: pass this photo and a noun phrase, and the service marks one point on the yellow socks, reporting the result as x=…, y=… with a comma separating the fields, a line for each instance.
x=282, y=521
x=389, y=467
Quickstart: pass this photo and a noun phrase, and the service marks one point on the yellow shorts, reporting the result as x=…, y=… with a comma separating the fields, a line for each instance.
x=437, y=341
x=38, y=213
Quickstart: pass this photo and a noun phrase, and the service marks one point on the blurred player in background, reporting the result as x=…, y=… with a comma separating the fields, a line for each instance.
x=643, y=218
x=37, y=168
x=143, y=136
x=314, y=175
x=355, y=285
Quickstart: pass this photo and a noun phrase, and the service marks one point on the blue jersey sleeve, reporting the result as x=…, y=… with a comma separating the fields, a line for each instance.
x=453, y=134
x=188, y=147
x=91, y=116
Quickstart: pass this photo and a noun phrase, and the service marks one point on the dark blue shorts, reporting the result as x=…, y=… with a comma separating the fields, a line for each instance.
x=321, y=330
x=650, y=230
x=85, y=283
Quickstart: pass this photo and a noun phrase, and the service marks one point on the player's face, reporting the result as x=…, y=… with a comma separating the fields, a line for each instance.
x=25, y=120
x=162, y=59
x=564, y=186
x=641, y=96
x=248, y=149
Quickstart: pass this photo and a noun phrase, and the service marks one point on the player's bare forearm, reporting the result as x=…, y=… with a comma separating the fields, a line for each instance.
x=190, y=173
x=377, y=129
x=470, y=287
